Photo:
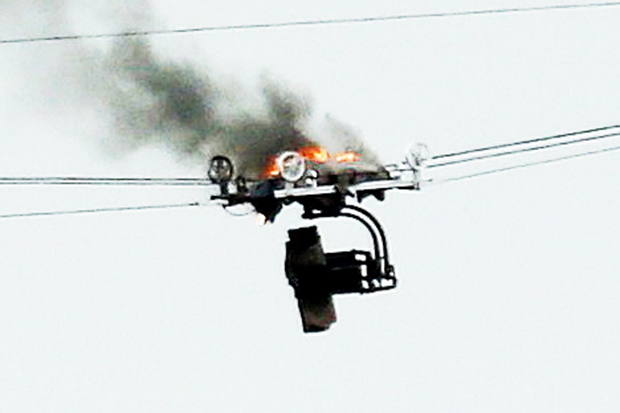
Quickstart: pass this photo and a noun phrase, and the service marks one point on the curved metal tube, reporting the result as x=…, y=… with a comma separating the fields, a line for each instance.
x=370, y=229
x=378, y=226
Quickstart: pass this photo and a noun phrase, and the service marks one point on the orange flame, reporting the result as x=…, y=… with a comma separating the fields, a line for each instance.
x=315, y=153
x=348, y=156
x=272, y=170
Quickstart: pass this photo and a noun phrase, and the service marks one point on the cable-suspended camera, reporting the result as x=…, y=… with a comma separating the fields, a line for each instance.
x=322, y=184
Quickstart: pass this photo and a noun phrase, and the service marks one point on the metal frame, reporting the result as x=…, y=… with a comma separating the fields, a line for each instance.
x=381, y=275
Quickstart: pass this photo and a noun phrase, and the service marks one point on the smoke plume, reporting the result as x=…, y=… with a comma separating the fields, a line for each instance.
x=153, y=100
x=186, y=109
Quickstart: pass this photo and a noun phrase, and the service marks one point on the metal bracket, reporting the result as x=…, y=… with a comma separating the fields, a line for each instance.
x=375, y=270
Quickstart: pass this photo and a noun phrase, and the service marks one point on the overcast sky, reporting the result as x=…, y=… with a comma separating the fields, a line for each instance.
x=509, y=284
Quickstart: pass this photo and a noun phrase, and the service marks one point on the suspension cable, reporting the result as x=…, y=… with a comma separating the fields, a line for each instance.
x=525, y=165
x=104, y=181
x=531, y=149
x=307, y=23
x=525, y=142
x=97, y=210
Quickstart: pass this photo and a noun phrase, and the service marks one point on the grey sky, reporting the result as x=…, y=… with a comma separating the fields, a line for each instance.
x=508, y=295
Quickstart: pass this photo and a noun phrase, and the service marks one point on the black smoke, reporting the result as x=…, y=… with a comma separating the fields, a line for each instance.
x=183, y=107
x=151, y=99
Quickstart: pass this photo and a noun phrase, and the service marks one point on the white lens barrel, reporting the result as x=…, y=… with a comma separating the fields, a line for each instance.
x=291, y=165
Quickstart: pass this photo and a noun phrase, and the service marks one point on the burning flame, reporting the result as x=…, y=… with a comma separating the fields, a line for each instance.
x=316, y=154
x=349, y=156
x=273, y=170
